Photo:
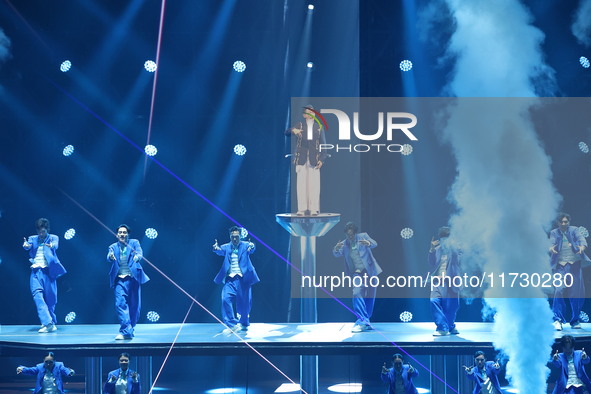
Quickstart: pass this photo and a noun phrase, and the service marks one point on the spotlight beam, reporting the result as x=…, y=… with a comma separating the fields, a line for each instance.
x=196, y=192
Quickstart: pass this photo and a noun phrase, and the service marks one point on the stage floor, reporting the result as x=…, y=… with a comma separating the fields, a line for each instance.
x=280, y=339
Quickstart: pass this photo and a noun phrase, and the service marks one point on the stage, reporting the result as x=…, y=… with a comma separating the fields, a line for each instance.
x=196, y=339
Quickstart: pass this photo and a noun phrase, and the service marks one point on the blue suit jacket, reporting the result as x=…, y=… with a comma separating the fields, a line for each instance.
x=409, y=386
x=137, y=272
x=574, y=238
x=55, y=268
x=132, y=387
x=369, y=262
x=249, y=274
x=59, y=370
x=491, y=372
x=562, y=363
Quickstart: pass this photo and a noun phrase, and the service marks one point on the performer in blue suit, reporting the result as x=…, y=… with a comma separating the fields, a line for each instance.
x=573, y=379
x=122, y=380
x=444, y=260
x=359, y=261
x=126, y=276
x=485, y=375
x=49, y=375
x=399, y=377
x=45, y=269
x=237, y=274
x=567, y=256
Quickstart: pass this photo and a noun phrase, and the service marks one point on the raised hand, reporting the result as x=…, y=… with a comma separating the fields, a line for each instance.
x=216, y=246
x=583, y=354
x=385, y=368
x=111, y=255
x=340, y=244
x=411, y=369
x=112, y=379
x=26, y=244
x=553, y=249
x=468, y=370
x=19, y=370
x=555, y=357
x=434, y=243
x=134, y=376
x=496, y=365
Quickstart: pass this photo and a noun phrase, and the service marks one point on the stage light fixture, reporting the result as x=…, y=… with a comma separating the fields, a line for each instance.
x=68, y=150
x=584, y=317
x=346, y=388
x=65, y=66
x=288, y=388
x=406, y=233
x=310, y=7
x=151, y=233
x=150, y=66
x=70, y=317
x=406, y=149
x=405, y=317
x=150, y=150
x=69, y=234
x=239, y=149
x=310, y=65
x=243, y=233
x=239, y=66
x=153, y=317
x=583, y=147
x=584, y=62
x=405, y=65
x=583, y=231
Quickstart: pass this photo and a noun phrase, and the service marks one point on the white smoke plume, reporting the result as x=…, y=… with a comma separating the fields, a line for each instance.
x=4, y=46
x=503, y=190
x=581, y=26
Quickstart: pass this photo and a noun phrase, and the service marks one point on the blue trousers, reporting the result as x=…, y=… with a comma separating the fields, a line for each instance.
x=363, y=302
x=445, y=303
x=575, y=293
x=127, y=304
x=574, y=390
x=44, y=291
x=235, y=292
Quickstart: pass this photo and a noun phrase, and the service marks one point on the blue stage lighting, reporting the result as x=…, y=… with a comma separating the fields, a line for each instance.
x=70, y=317
x=153, y=317
x=583, y=231
x=70, y=234
x=310, y=7
x=65, y=66
x=150, y=150
x=406, y=233
x=68, y=150
x=406, y=65
x=406, y=149
x=288, y=388
x=240, y=149
x=239, y=66
x=222, y=391
x=584, y=147
x=346, y=388
x=584, y=62
x=405, y=316
x=584, y=317
x=421, y=390
x=150, y=66
x=151, y=233
x=310, y=65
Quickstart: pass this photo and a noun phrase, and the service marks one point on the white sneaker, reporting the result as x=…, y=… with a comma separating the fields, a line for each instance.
x=577, y=326
x=358, y=328
x=48, y=328
x=557, y=325
x=440, y=333
x=121, y=337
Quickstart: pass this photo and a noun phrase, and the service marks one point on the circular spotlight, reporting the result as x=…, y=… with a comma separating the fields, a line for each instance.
x=583, y=231
x=150, y=66
x=65, y=66
x=151, y=233
x=584, y=317
x=310, y=65
x=222, y=391
x=583, y=147
x=243, y=233
x=153, y=317
x=406, y=233
x=150, y=150
x=584, y=62
x=70, y=234
x=68, y=150
x=346, y=388
x=239, y=149
x=239, y=66
x=405, y=65
x=70, y=317
x=310, y=7
x=405, y=316
x=406, y=149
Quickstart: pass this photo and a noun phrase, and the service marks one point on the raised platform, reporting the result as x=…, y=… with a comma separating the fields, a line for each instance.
x=281, y=339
